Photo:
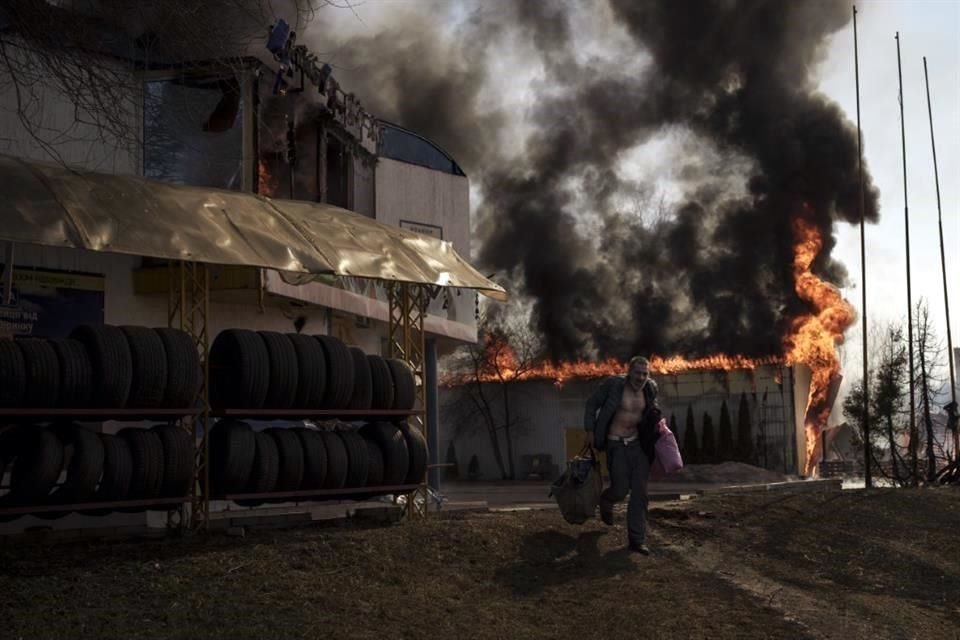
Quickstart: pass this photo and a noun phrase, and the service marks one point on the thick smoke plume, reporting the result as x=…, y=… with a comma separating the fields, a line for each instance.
x=728, y=82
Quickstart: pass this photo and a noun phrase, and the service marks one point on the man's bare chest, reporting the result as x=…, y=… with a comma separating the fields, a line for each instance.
x=632, y=402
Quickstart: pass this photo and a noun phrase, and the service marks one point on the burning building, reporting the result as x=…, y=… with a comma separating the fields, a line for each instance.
x=762, y=169
x=772, y=403
x=789, y=397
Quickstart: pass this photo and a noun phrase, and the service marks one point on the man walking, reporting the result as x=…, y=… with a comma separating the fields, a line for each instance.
x=621, y=418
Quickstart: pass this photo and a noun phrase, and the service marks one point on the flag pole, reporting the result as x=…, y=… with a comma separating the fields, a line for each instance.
x=914, y=436
x=867, y=451
x=943, y=268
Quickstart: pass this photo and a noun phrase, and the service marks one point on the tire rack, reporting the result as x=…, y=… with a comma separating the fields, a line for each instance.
x=175, y=518
x=188, y=308
x=408, y=308
x=304, y=414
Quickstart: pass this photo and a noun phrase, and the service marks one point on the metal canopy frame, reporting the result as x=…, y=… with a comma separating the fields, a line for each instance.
x=188, y=309
x=407, y=341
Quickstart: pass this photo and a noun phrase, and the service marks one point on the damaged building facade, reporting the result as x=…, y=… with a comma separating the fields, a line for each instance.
x=251, y=123
x=547, y=418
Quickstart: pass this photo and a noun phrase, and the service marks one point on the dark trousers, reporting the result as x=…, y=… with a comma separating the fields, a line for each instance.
x=629, y=469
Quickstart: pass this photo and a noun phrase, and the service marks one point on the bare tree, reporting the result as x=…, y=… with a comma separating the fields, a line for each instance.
x=91, y=53
x=482, y=378
x=889, y=407
x=930, y=353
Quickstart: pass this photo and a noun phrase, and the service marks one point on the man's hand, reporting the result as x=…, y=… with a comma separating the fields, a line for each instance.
x=588, y=439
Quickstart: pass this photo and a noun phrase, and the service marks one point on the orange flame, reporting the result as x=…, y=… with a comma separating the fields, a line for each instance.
x=500, y=363
x=267, y=185
x=811, y=341
x=814, y=337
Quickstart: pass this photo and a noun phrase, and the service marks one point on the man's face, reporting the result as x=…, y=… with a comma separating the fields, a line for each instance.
x=638, y=375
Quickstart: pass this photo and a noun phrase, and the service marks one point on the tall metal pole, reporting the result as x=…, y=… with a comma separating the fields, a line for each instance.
x=943, y=264
x=906, y=222
x=867, y=453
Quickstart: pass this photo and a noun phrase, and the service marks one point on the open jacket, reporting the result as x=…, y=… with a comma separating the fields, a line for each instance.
x=602, y=405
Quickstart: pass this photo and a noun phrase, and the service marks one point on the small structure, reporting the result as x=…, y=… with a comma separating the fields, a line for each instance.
x=548, y=417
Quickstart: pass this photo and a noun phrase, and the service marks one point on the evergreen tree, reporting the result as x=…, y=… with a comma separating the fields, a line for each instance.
x=744, y=432
x=453, y=471
x=708, y=442
x=691, y=450
x=725, y=450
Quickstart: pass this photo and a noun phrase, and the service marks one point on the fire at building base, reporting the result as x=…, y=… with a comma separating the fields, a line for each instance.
x=755, y=415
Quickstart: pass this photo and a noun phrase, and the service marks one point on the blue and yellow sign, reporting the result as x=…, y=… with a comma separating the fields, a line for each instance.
x=50, y=303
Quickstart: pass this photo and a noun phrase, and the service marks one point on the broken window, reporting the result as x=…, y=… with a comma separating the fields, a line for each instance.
x=337, y=172
x=192, y=131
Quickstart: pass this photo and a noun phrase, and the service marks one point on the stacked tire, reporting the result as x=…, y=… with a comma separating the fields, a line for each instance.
x=67, y=464
x=262, y=370
x=249, y=466
x=101, y=367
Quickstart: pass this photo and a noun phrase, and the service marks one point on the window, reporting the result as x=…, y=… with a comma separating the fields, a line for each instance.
x=337, y=173
x=192, y=132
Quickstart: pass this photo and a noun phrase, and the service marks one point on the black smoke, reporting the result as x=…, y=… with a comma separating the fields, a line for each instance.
x=710, y=272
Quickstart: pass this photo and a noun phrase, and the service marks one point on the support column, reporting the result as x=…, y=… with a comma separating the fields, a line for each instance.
x=408, y=308
x=188, y=307
x=433, y=414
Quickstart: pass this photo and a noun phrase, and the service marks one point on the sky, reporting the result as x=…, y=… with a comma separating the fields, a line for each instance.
x=927, y=28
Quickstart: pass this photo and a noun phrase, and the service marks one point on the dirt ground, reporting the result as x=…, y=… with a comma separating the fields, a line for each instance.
x=881, y=564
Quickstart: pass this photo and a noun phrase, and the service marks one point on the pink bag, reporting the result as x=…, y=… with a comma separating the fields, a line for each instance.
x=667, y=458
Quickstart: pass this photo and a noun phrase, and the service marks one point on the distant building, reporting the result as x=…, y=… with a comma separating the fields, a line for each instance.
x=549, y=418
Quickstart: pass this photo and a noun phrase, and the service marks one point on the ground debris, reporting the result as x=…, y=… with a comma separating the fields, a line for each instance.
x=877, y=563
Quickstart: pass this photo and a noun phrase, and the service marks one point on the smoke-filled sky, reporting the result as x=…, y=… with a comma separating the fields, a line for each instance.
x=635, y=166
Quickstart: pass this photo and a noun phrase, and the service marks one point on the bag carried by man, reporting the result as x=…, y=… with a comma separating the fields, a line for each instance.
x=667, y=459
x=577, y=491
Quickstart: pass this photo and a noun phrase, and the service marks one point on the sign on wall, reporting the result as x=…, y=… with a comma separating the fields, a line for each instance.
x=423, y=228
x=51, y=303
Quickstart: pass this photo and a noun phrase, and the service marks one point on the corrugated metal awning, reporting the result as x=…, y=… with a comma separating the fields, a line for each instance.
x=54, y=206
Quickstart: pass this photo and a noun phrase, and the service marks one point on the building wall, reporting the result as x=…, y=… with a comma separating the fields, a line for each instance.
x=545, y=413
x=54, y=121
x=363, y=185
x=434, y=203
x=123, y=306
x=409, y=195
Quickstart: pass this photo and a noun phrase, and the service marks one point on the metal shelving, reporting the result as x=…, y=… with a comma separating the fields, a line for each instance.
x=90, y=506
x=307, y=414
x=96, y=415
x=188, y=309
x=87, y=414
x=320, y=493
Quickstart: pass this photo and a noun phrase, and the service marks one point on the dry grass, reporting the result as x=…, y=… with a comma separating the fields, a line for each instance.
x=520, y=575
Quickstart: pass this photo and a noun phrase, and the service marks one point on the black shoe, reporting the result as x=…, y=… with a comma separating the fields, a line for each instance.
x=639, y=547
x=606, y=513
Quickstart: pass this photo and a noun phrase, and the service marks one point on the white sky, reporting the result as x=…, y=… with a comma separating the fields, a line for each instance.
x=927, y=28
